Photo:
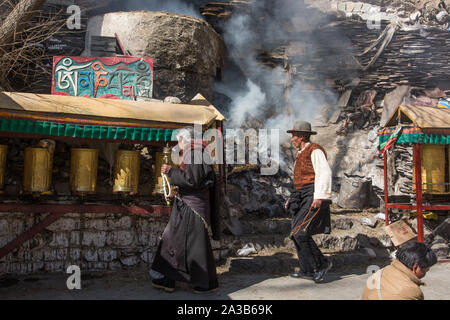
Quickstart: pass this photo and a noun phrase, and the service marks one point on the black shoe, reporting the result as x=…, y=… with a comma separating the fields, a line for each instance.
x=301, y=275
x=164, y=283
x=319, y=275
x=203, y=290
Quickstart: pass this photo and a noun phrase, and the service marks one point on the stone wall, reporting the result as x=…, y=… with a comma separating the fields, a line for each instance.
x=91, y=241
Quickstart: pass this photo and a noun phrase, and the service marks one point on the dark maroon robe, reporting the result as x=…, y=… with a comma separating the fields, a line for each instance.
x=184, y=252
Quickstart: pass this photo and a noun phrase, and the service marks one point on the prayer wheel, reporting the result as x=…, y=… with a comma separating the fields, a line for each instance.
x=433, y=169
x=159, y=188
x=3, y=152
x=37, y=175
x=83, y=170
x=126, y=171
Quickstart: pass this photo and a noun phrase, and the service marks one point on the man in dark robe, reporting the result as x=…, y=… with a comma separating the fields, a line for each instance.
x=309, y=204
x=184, y=253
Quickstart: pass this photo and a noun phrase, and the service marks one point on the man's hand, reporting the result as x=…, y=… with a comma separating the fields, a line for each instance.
x=286, y=204
x=165, y=168
x=317, y=203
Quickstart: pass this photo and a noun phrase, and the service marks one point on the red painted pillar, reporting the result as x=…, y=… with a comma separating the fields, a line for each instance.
x=419, y=200
x=386, y=209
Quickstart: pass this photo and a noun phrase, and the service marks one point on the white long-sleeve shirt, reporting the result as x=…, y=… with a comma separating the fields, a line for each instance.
x=322, y=170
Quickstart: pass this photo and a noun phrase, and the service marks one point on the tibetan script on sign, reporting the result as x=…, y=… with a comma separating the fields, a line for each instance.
x=107, y=77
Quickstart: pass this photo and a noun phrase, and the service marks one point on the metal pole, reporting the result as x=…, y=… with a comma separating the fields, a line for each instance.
x=419, y=200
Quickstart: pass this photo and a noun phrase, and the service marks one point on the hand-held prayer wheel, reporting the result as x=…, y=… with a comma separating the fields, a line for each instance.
x=83, y=170
x=37, y=175
x=126, y=171
x=161, y=158
x=3, y=152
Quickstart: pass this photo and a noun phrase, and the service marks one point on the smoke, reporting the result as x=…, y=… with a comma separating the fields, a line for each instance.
x=268, y=90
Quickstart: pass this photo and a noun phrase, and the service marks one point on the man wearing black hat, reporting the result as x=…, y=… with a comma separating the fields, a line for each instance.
x=309, y=204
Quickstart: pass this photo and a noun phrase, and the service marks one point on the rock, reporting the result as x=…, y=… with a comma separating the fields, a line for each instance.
x=355, y=192
x=438, y=239
x=381, y=216
x=340, y=244
x=442, y=16
x=373, y=134
x=246, y=250
x=414, y=16
x=369, y=222
x=343, y=223
x=441, y=250
x=130, y=261
x=172, y=100
x=188, y=53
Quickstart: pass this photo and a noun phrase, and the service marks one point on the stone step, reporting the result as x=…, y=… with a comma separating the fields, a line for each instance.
x=284, y=261
x=336, y=241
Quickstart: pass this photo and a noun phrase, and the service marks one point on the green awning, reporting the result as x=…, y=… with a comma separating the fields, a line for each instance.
x=415, y=135
x=85, y=131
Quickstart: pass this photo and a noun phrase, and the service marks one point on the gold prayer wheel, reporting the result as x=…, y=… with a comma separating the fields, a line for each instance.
x=433, y=169
x=3, y=152
x=83, y=170
x=37, y=175
x=126, y=171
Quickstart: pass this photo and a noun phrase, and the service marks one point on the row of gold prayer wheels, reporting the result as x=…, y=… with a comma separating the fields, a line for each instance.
x=38, y=166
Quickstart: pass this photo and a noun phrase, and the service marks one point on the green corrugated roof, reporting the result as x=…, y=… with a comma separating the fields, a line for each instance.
x=85, y=131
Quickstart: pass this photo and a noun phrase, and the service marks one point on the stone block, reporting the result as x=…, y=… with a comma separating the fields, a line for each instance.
x=37, y=255
x=16, y=227
x=90, y=255
x=4, y=227
x=441, y=250
x=97, y=224
x=342, y=223
x=114, y=265
x=74, y=254
x=143, y=238
x=64, y=224
x=148, y=256
x=143, y=224
x=75, y=237
x=55, y=266
x=107, y=255
x=38, y=267
x=60, y=239
x=49, y=255
x=95, y=266
x=96, y=215
x=4, y=240
x=97, y=239
x=129, y=261
x=370, y=222
x=62, y=253
x=121, y=238
x=340, y=244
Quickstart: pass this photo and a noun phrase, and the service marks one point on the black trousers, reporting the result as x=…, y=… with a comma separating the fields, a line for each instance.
x=310, y=258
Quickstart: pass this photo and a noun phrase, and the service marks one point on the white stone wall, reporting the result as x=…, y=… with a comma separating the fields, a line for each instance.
x=91, y=241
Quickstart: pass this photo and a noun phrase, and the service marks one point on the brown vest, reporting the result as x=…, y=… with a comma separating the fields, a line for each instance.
x=304, y=170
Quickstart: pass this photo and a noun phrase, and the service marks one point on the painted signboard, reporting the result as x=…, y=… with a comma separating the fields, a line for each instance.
x=106, y=77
